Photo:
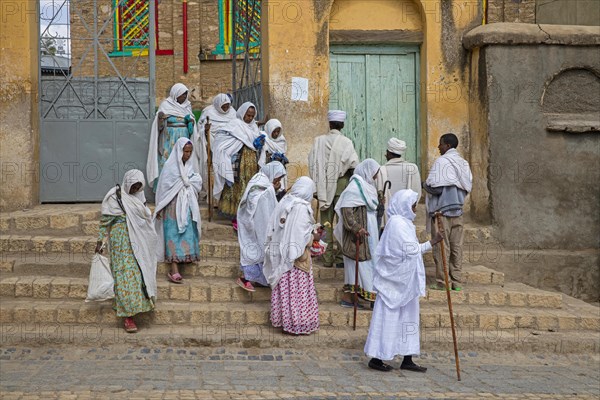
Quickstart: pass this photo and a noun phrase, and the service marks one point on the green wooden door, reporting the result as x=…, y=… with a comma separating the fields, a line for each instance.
x=378, y=86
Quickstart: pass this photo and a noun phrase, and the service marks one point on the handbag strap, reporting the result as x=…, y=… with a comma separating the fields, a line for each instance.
x=118, y=192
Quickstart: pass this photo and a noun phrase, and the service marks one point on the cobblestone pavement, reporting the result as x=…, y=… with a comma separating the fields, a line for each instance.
x=77, y=372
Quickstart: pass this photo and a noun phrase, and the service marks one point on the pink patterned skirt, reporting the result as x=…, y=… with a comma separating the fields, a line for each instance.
x=294, y=304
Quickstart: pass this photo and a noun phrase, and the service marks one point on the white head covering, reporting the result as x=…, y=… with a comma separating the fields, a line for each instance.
x=179, y=180
x=253, y=220
x=241, y=112
x=290, y=230
x=361, y=191
x=396, y=146
x=336, y=115
x=219, y=101
x=278, y=145
x=169, y=106
x=139, y=225
x=400, y=272
x=367, y=170
x=228, y=141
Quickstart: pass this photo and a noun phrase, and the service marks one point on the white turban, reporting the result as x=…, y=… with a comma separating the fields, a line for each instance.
x=336, y=115
x=396, y=146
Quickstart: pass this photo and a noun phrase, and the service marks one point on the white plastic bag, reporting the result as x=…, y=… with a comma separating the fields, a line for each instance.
x=101, y=283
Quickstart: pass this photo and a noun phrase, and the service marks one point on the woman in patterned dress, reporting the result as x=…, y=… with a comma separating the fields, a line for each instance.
x=128, y=224
x=235, y=159
x=173, y=120
x=177, y=213
x=288, y=266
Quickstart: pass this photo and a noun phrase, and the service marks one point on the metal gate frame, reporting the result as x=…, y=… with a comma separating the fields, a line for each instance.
x=128, y=131
x=247, y=84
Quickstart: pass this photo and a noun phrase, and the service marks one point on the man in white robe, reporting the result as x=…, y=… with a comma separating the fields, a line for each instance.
x=400, y=173
x=448, y=184
x=399, y=279
x=330, y=162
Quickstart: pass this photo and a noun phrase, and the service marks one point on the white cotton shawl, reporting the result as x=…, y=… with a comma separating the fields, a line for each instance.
x=141, y=231
x=361, y=191
x=331, y=156
x=400, y=272
x=228, y=141
x=169, y=106
x=287, y=240
x=272, y=145
x=254, y=212
x=182, y=181
x=451, y=170
x=217, y=119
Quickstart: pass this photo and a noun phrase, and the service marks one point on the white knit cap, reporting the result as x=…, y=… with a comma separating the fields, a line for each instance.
x=396, y=146
x=336, y=115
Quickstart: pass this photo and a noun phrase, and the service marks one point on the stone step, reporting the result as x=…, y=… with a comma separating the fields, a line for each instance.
x=27, y=310
x=214, y=289
x=85, y=245
x=433, y=340
x=77, y=265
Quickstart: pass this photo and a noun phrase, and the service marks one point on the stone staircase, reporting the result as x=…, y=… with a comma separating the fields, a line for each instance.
x=45, y=260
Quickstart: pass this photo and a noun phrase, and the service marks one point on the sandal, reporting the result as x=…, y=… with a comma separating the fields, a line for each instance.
x=175, y=278
x=246, y=285
x=130, y=326
x=413, y=367
x=437, y=286
x=380, y=365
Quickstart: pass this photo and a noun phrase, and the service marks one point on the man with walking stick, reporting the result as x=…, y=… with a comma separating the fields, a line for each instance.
x=448, y=184
x=399, y=279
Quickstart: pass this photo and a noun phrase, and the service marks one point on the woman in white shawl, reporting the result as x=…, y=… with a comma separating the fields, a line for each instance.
x=399, y=282
x=173, y=120
x=213, y=118
x=288, y=265
x=235, y=159
x=275, y=146
x=177, y=213
x=357, y=219
x=253, y=216
x=132, y=240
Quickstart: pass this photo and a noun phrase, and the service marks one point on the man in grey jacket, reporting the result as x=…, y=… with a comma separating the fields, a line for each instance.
x=448, y=184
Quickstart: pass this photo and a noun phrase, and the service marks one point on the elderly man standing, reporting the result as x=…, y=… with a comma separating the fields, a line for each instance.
x=401, y=173
x=331, y=163
x=448, y=184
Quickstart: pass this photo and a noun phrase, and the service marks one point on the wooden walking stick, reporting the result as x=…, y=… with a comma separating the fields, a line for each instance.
x=209, y=167
x=356, y=282
x=440, y=226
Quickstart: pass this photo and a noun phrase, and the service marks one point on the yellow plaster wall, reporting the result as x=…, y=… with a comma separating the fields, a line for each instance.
x=375, y=15
x=298, y=45
x=19, y=126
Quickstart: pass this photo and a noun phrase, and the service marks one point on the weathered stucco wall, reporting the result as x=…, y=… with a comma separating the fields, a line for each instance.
x=543, y=122
x=300, y=34
x=18, y=105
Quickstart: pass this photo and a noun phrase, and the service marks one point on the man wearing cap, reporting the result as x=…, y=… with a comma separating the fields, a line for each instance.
x=331, y=163
x=401, y=173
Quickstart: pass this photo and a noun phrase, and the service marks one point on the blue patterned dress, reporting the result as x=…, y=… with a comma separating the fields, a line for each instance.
x=129, y=296
x=176, y=127
x=180, y=247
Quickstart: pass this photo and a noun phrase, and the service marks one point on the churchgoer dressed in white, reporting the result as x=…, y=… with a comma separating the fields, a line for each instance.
x=253, y=216
x=330, y=163
x=128, y=224
x=174, y=119
x=177, y=213
x=399, y=280
x=288, y=265
x=401, y=173
x=357, y=219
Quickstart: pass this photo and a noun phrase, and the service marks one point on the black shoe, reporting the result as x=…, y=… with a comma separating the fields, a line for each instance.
x=413, y=367
x=339, y=265
x=380, y=365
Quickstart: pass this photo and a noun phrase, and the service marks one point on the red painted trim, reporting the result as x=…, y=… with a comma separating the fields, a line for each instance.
x=185, y=38
x=164, y=52
x=158, y=51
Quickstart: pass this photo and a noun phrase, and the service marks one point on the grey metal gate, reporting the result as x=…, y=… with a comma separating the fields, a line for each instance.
x=96, y=94
x=246, y=64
